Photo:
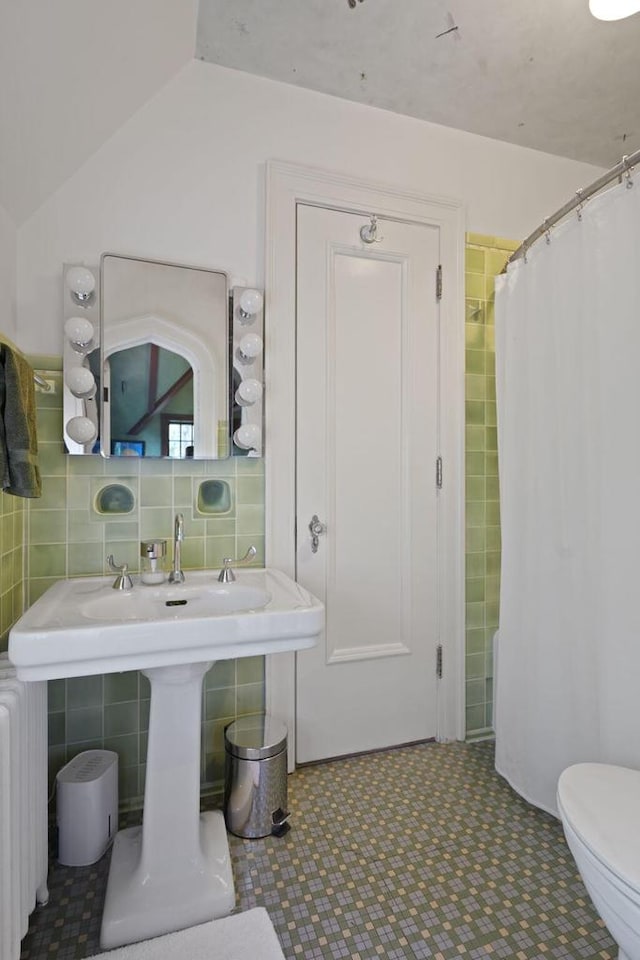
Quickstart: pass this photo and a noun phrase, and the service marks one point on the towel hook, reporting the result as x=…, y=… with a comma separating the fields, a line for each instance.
x=369, y=233
x=39, y=381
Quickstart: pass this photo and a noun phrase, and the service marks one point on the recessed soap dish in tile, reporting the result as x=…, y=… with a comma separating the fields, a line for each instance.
x=114, y=498
x=214, y=496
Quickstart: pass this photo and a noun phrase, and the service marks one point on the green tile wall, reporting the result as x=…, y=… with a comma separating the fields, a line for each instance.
x=65, y=536
x=485, y=258
x=12, y=516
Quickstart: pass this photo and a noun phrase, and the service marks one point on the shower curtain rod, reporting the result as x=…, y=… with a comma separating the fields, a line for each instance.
x=616, y=173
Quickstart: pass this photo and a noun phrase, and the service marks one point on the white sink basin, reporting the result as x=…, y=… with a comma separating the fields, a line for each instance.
x=82, y=627
x=179, y=603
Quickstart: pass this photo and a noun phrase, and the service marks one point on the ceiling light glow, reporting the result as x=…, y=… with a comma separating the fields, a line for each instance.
x=613, y=9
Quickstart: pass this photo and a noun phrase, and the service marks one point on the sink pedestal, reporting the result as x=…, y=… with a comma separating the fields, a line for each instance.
x=175, y=870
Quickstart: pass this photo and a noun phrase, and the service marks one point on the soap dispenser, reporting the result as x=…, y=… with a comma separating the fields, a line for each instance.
x=153, y=555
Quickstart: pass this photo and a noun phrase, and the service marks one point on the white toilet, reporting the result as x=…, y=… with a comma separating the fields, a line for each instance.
x=600, y=809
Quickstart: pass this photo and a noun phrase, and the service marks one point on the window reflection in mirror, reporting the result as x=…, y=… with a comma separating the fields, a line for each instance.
x=165, y=360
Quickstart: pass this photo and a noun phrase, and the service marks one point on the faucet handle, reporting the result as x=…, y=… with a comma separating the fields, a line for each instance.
x=226, y=574
x=123, y=581
x=248, y=557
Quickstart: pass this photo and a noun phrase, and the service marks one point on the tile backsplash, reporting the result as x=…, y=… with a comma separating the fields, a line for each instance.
x=69, y=534
x=485, y=259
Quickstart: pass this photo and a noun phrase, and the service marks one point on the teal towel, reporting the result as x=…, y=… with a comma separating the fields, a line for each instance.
x=18, y=440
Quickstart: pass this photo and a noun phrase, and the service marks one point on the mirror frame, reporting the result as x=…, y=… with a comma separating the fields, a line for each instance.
x=92, y=409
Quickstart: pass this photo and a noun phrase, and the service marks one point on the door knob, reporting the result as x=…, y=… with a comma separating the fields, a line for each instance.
x=316, y=529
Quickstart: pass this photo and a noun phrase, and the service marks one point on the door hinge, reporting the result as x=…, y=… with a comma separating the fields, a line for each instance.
x=439, y=282
x=439, y=473
x=439, y=661
x=105, y=394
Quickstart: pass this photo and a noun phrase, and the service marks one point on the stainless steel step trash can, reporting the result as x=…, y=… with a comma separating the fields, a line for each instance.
x=255, y=796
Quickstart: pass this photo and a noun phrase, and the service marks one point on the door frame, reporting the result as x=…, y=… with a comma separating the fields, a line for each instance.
x=287, y=185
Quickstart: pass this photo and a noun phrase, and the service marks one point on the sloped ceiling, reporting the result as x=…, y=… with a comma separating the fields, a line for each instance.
x=539, y=73
x=71, y=73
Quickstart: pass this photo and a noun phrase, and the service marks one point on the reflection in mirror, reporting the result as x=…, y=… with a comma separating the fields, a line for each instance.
x=164, y=360
x=146, y=379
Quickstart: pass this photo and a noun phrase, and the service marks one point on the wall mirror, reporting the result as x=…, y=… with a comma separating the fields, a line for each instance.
x=161, y=360
x=164, y=360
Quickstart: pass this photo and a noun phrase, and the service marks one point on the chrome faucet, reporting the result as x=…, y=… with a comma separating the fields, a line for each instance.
x=176, y=575
x=226, y=574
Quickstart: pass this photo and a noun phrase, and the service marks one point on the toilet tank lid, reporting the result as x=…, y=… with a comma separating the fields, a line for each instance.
x=600, y=802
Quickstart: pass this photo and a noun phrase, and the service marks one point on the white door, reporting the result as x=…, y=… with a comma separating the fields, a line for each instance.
x=367, y=443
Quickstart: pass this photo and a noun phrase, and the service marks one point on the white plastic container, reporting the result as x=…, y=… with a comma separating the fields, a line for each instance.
x=87, y=807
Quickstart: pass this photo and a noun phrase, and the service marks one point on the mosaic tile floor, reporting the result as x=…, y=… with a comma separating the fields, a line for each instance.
x=422, y=852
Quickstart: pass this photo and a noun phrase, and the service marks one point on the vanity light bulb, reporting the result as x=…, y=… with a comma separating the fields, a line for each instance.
x=81, y=282
x=79, y=331
x=250, y=304
x=81, y=382
x=248, y=436
x=248, y=392
x=250, y=347
x=82, y=430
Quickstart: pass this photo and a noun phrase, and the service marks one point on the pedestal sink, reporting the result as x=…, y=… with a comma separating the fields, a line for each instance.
x=175, y=870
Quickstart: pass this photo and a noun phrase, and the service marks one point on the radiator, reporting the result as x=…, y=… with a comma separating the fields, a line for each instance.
x=23, y=805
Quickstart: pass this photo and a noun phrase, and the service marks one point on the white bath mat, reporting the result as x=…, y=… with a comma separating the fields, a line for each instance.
x=242, y=936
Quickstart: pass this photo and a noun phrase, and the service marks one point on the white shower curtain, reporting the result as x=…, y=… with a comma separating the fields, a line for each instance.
x=568, y=386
